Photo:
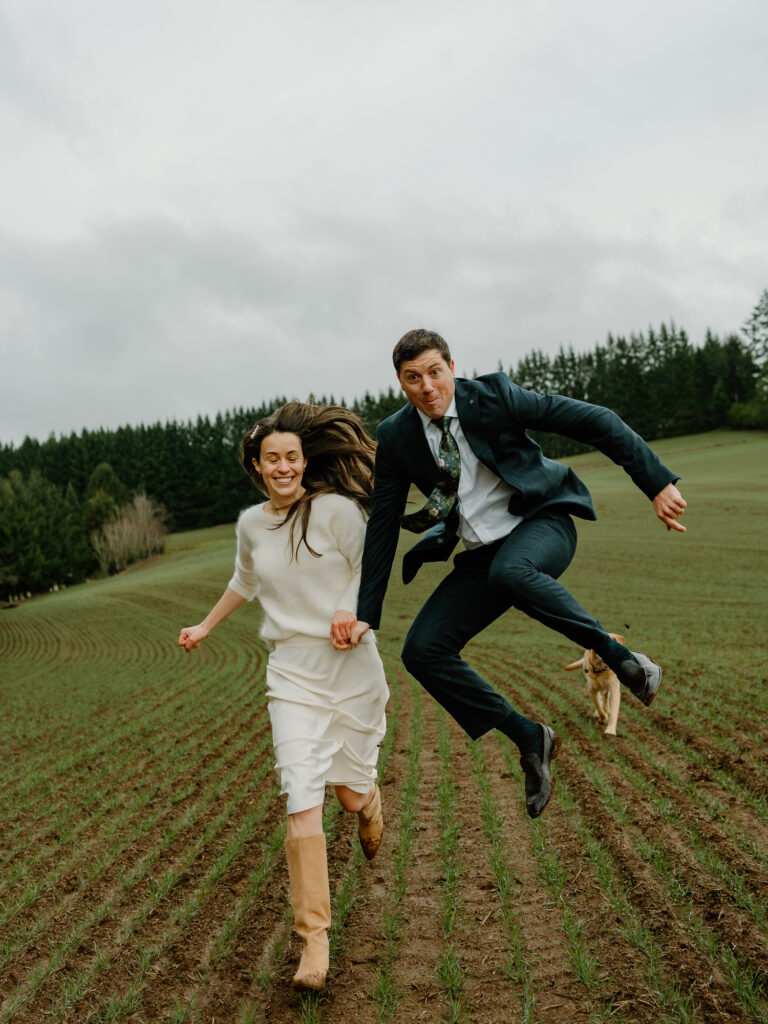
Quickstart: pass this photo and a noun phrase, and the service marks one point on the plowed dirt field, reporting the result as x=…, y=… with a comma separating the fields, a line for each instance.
x=142, y=875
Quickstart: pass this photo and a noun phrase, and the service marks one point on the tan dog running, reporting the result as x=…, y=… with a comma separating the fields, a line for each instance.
x=603, y=685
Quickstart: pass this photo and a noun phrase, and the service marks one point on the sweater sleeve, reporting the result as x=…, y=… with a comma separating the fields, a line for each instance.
x=348, y=529
x=244, y=581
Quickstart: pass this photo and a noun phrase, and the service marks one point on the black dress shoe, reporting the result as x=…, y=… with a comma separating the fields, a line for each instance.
x=538, y=777
x=642, y=677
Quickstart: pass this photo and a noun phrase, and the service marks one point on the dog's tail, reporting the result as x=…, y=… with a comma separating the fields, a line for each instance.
x=574, y=665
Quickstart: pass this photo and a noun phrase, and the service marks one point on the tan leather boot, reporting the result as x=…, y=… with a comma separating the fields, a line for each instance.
x=371, y=824
x=311, y=902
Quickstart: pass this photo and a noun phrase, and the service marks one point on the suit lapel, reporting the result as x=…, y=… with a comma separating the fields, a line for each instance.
x=468, y=406
x=415, y=450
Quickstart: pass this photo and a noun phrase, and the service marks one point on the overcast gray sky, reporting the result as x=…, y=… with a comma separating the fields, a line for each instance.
x=205, y=205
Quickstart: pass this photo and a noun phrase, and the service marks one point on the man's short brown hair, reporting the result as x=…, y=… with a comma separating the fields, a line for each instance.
x=417, y=341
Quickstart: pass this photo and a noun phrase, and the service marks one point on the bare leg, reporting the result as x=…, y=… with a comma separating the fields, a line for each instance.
x=306, y=823
x=352, y=801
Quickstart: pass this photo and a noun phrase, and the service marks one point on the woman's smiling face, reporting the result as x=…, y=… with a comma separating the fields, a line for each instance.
x=281, y=465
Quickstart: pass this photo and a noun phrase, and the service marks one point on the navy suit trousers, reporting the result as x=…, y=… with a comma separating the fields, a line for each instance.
x=519, y=571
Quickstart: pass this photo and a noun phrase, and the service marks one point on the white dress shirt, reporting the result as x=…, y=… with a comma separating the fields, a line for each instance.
x=483, y=497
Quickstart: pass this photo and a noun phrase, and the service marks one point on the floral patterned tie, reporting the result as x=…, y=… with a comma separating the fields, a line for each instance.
x=443, y=498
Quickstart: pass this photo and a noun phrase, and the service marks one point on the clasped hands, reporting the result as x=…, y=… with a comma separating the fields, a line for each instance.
x=346, y=630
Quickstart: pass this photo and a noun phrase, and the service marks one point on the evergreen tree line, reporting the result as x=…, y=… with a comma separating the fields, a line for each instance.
x=94, y=502
x=49, y=538
x=58, y=496
x=659, y=383
x=192, y=469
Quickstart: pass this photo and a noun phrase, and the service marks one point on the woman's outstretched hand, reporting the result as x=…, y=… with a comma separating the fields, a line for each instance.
x=191, y=636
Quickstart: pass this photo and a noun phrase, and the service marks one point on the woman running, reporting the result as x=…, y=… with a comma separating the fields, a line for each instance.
x=299, y=553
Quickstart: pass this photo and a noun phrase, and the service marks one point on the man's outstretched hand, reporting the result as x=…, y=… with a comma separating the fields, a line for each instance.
x=669, y=505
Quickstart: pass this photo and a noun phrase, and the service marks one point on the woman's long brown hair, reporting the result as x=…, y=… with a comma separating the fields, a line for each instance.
x=339, y=454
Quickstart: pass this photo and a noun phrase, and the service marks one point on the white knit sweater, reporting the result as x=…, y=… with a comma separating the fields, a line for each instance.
x=300, y=594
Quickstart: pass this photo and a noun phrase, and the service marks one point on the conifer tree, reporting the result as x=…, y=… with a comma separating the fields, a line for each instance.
x=104, y=478
x=755, y=329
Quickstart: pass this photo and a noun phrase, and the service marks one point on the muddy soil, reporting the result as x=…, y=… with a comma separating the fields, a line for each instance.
x=678, y=930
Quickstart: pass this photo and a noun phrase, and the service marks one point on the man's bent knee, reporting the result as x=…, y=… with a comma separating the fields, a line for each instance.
x=422, y=654
x=415, y=655
x=514, y=581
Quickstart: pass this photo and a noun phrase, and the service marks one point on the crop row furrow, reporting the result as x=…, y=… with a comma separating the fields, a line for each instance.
x=410, y=915
x=91, y=748
x=692, y=851
x=32, y=642
x=85, y=871
x=386, y=993
x=517, y=967
x=642, y=924
x=208, y=903
x=106, y=870
x=127, y=774
x=120, y=702
x=698, y=870
x=450, y=970
x=745, y=883
x=136, y=962
x=650, y=754
x=717, y=702
x=176, y=876
x=66, y=825
x=732, y=949
x=147, y=727
x=615, y=817
x=743, y=764
x=735, y=735
x=585, y=961
x=566, y=956
x=742, y=830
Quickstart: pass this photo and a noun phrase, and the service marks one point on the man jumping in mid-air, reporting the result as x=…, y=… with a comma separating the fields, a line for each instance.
x=464, y=444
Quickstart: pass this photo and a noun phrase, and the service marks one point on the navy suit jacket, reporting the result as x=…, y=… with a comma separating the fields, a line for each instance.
x=494, y=414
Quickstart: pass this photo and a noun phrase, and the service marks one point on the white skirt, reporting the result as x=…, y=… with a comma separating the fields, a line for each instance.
x=327, y=714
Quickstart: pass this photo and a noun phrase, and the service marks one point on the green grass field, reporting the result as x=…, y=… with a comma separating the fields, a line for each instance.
x=142, y=877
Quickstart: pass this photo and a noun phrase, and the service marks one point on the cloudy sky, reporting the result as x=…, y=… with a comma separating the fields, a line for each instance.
x=207, y=204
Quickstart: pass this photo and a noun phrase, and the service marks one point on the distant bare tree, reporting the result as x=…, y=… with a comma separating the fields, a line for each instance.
x=136, y=532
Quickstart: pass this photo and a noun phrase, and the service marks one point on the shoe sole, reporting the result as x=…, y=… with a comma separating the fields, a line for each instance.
x=556, y=744
x=646, y=662
x=311, y=984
